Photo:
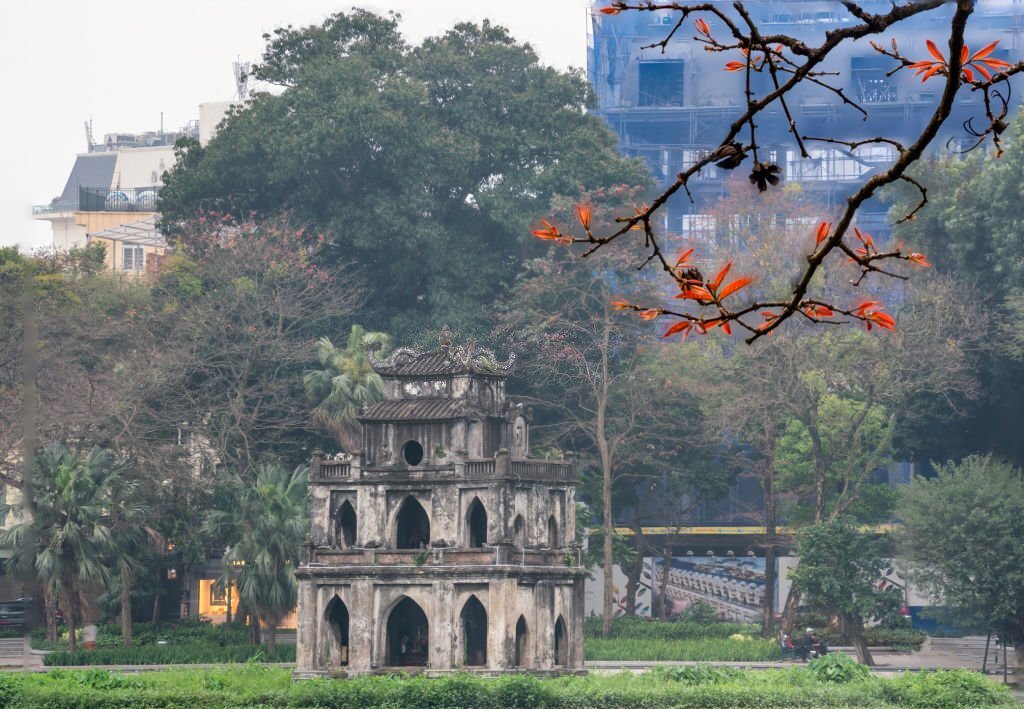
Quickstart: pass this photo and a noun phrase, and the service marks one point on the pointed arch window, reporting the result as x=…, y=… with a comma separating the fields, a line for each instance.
x=476, y=522
x=412, y=525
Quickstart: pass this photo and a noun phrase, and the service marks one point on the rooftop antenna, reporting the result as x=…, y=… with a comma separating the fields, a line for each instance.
x=241, y=70
x=88, y=134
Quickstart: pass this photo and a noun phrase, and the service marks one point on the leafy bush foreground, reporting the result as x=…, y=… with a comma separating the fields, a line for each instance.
x=184, y=653
x=253, y=686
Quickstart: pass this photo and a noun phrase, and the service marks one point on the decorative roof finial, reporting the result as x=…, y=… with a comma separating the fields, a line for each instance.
x=444, y=339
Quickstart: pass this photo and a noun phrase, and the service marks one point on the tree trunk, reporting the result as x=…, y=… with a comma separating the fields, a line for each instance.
x=227, y=618
x=855, y=630
x=69, y=612
x=156, y=608
x=126, y=606
x=51, y=616
x=606, y=479
x=608, y=565
x=636, y=572
x=271, y=637
x=666, y=567
x=768, y=617
x=789, y=610
x=254, y=629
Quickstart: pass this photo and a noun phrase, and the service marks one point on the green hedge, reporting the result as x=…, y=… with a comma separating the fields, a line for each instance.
x=250, y=686
x=642, y=628
x=190, y=630
x=182, y=653
x=710, y=650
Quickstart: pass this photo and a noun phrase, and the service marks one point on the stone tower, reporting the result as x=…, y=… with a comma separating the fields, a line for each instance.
x=441, y=545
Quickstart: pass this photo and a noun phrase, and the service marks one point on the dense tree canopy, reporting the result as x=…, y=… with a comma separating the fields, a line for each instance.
x=963, y=533
x=423, y=164
x=972, y=232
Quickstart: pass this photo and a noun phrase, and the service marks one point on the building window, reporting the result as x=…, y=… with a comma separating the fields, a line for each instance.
x=870, y=79
x=476, y=522
x=412, y=452
x=661, y=83
x=708, y=172
x=830, y=164
x=133, y=258
x=699, y=227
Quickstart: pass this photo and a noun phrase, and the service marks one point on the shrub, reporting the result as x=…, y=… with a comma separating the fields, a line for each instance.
x=700, y=612
x=679, y=688
x=643, y=628
x=696, y=674
x=895, y=637
x=707, y=650
x=10, y=689
x=837, y=667
x=952, y=689
x=184, y=653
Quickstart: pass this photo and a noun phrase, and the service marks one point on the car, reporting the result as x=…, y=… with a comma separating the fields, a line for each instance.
x=15, y=614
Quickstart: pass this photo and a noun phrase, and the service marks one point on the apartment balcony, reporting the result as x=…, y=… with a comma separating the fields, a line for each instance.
x=119, y=199
x=102, y=199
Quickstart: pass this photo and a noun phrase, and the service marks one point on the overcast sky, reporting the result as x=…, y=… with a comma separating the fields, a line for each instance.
x=122, y=62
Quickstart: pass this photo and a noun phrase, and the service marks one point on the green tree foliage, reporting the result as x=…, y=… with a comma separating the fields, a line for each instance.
x=87, y=322
x=602, y=388
x=971, y=230
x=345, y=383
x=263, y=524
x=422, y=164
x=839, y=570
x=75, y=527
x=238, y=311
x=963, y=534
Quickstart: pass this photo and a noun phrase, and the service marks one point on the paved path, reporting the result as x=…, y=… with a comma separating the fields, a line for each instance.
x=12, y=651
x=936, y=653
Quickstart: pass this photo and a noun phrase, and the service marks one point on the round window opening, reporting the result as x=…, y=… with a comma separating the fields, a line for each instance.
x=412, y=452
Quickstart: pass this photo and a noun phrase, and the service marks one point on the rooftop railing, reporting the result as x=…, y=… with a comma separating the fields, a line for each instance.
x=119, y=199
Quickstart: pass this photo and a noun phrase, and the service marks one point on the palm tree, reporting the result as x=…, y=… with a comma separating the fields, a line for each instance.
x=69, y=538
x=263, y=527
x=346, y=383
x=133, y=538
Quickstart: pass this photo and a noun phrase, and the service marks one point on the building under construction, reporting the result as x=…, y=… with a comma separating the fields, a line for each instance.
x=670, y=107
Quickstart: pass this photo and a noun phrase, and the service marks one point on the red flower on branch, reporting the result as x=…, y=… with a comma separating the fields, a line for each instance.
x=980, y=61
x=549, y=232
x=818, y=311
x=822, y=232
x=682, y=326
x=583, y=212
x=870, y=311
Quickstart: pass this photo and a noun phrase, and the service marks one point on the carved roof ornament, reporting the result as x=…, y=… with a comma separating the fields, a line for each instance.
x=444, y=339
x=447, y=359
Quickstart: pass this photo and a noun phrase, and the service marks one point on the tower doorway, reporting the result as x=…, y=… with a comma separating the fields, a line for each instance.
x=474, y=632
x=407, y=643
x=336, y=615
